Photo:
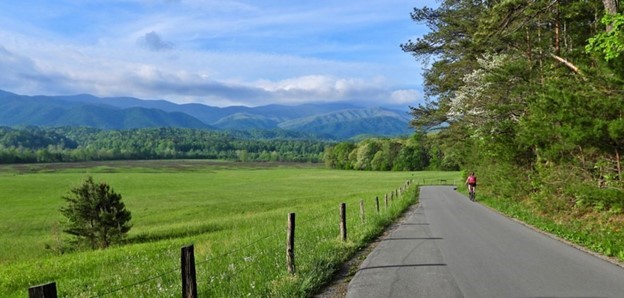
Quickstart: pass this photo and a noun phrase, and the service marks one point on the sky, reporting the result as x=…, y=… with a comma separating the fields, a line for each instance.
x=219, y=53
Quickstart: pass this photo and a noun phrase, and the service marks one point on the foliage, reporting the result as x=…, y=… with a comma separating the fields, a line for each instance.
x=34, y=138
x=410, y=154
x=609, y=44
x=65, y=144
x=531, y=95
x=521, y=91
x=96, y=215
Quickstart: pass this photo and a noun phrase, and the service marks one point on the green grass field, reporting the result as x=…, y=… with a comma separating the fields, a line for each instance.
x=235, y=215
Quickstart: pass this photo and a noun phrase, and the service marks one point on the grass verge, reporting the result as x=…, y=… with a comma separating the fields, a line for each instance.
x=595, y=231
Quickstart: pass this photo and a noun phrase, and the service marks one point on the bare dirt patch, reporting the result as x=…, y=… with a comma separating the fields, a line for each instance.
x=112, y=166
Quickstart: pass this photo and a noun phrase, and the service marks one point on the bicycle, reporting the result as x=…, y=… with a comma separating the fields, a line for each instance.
x=471, y=182
x=471, y=193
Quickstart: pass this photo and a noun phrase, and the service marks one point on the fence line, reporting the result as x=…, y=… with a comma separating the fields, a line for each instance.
x=353, y=214
x=238, y=249
x=137, y=283
x=326, y=213
x=235, y=268
x=440, y=181
x=188, y=254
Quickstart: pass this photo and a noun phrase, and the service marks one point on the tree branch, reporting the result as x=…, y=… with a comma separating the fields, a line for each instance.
x=568, y=64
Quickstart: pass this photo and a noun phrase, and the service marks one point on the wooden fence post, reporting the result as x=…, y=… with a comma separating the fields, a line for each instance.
x=377, y=203
x=43, y=291
x=189, y=278
x=386, y=200
x=343, y=221
x=362, y=215
x=290, y=244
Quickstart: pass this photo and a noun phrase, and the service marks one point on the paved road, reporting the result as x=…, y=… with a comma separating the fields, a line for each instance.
x=451, y=247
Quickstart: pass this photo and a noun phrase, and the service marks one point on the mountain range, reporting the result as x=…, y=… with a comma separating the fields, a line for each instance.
x=327, y=120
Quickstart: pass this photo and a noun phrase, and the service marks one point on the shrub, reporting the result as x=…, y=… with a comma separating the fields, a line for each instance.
x=600, y=199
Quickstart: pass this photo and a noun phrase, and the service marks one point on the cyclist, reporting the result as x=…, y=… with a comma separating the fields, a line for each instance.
x=472, y=184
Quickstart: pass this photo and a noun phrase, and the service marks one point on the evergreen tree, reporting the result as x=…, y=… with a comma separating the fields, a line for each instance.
x=96, y=215
x=530, y=93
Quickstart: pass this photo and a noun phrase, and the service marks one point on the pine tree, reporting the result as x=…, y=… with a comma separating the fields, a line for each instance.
x=96, y=215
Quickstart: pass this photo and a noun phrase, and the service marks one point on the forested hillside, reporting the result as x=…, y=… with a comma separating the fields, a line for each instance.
x=65, y=144
x=533, y=94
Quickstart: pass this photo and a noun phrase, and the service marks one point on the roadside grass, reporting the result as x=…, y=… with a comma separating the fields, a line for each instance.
x=600, y=232
x=234, y=214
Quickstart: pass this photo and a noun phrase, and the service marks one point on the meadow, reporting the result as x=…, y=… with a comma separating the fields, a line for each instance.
x=234, y=214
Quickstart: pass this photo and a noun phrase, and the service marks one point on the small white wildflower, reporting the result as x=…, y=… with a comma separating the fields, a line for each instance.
x=248, y=259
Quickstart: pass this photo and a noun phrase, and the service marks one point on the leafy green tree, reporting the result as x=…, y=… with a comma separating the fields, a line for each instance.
x=341, y=155
x=378, y=162
x=411, y=158
x=96, y=215
x=410, y=154
x=365, y=153
x=450, y=41
x=609, y=44
x=528, y=91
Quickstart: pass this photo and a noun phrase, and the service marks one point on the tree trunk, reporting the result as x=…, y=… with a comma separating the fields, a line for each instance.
x=558, y=30
x=610, y=8
x=618, y=164
x=529, y=48
x=541, y=52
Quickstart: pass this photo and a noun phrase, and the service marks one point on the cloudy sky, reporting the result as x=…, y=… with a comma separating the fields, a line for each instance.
x=217, y=52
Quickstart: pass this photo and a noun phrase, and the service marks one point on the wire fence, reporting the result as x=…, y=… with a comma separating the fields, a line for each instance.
x=259, y=266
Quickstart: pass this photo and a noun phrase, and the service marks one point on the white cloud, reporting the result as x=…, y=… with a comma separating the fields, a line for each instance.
x=215, y=52
x=372, y=91
x=190, y=77
x=406, y=96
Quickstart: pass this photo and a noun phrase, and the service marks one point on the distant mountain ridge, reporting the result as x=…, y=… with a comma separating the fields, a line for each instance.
x=333, y=120
x=18, y=110
x=349, y=123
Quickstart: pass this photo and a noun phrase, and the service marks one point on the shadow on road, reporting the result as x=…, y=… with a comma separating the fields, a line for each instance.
x=402, y=266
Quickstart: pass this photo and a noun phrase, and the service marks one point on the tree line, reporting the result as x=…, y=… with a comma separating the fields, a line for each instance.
x=399, y=154
x=531, y=93
x=72, y=144
x=69, y=144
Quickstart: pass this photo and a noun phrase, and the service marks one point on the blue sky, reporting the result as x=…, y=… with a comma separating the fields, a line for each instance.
x=218, y=53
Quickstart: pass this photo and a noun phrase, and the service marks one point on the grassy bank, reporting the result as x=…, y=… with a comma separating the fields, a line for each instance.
x=598, y=231
x=235, y=215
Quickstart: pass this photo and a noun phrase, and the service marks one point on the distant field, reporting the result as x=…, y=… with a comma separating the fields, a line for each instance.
x=234, y=213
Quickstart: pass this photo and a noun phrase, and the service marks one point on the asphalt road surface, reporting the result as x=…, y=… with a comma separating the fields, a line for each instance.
x=451, y=247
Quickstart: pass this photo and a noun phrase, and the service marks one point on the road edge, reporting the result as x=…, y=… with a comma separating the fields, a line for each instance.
x=337, y=287
x=608, y=259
